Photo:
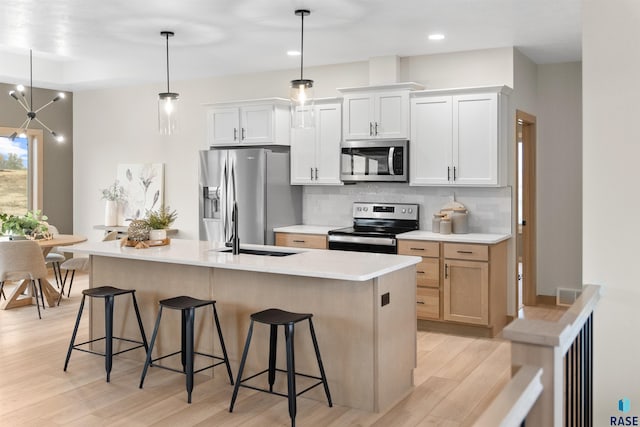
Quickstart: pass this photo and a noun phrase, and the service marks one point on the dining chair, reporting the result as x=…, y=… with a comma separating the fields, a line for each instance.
x=80, y=263
x=55, y=258
x=23, y=260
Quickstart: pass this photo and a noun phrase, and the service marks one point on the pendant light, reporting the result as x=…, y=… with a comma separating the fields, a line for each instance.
x=167, y=101
x=21, y=99
x=302, y=89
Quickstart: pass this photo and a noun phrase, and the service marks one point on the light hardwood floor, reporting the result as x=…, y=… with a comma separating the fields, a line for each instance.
x=456, y=379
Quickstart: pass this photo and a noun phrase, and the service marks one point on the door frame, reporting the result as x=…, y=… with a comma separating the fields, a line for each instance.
x=529, y=291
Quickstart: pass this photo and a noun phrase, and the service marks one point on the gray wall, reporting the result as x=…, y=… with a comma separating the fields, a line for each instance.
x=58, y=157
x=559, y=176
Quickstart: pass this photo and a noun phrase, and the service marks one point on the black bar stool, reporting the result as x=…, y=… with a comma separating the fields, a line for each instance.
x=275, y=317
x=108, y=293
x=187, y=305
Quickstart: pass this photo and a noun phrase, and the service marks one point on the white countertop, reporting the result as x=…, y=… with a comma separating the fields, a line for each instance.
x=341, y=265
x=488, y=239
x=308, y=229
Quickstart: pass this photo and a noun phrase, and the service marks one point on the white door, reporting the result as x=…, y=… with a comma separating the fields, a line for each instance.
x=223, y=126
x=475, y=135
x=257, y=124
x=328, y=138
x=358, y=113
x=391, y=115
x=430, y=148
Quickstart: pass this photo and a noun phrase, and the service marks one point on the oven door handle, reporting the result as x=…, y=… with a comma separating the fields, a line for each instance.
x=383, y=241
x=390, y=161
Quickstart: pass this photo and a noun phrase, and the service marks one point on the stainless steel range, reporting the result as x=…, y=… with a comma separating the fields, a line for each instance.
x=375, y=226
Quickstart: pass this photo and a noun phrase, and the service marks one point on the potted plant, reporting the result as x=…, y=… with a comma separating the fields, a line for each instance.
x=159, y=220
x=32, y=225
x=113, y=195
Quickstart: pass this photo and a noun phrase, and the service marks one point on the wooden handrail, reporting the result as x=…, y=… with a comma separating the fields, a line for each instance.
x=515, y=401
x=550, y=347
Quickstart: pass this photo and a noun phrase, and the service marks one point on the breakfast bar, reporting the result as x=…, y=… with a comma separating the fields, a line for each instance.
x=363, y=306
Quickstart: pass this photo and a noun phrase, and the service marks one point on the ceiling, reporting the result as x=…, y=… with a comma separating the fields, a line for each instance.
x=79, y=44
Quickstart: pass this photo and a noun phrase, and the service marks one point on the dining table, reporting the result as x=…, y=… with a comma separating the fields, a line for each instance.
x=21, y=294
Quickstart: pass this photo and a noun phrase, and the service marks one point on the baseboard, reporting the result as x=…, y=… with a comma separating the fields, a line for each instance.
x=545, y=300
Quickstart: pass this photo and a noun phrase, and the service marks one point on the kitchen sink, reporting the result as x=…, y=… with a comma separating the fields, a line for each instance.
x=259, y=252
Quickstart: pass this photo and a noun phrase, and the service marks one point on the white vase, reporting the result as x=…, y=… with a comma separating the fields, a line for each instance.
x=157, y=234
x=120, y=216
x=111, y=213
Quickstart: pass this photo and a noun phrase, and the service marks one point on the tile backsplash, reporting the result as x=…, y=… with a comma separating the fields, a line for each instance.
x=489, y=208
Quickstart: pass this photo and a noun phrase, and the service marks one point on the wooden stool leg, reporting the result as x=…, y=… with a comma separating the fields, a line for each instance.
x=291, y=373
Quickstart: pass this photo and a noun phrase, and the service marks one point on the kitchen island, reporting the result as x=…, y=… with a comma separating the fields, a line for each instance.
x=363, y=306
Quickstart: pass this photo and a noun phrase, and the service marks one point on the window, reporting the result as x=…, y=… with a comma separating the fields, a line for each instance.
x=20, y=171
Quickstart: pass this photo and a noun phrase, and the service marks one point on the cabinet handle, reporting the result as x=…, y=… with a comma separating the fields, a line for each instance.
x=465, y=252
x=316, y=174
x=299, y=241
x=375, y=129
x=243, y=133
x=370, y=129
x=235, y=134
x=420, y=302
x=417, y=249
x=448, y=173
x=446, y=271
x=454, y=173
x=311, y=169
x=420, y=272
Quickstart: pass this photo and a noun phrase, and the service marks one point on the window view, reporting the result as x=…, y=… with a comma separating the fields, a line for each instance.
x=14, y=176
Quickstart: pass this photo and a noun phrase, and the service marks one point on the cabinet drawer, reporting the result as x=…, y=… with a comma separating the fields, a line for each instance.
x=466, y=251
x=428, y=303
x=428, y=273
x=312, y=241
x=419, y=248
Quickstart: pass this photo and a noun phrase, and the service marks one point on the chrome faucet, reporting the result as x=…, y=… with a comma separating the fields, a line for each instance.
x=235, y=238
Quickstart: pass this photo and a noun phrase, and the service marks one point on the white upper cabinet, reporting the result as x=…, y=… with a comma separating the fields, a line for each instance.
x=377, y=111
x=459, y=137
x=315, y=152
x=265, y=121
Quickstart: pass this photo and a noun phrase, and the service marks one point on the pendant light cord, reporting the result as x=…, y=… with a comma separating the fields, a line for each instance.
x=167, y=37
x=302, y=45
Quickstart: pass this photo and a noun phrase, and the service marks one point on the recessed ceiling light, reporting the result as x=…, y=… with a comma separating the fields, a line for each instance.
x=293, y=52
x=436, y=36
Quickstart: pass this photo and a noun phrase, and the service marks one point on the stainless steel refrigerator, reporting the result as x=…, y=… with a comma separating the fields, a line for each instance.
x=258, y=180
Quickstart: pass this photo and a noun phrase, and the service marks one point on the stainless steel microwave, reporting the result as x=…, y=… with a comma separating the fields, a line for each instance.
x=381, y=161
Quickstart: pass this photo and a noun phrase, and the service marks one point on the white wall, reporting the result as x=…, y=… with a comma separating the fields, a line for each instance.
x=611, y=149
x=559, y=177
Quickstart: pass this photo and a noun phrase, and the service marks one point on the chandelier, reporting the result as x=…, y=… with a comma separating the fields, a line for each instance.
x=27, y=104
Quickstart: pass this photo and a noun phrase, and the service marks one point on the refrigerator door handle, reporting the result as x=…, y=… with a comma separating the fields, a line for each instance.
x=223, y=198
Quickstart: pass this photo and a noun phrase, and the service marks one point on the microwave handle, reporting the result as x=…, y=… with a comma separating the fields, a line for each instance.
x=390, y=161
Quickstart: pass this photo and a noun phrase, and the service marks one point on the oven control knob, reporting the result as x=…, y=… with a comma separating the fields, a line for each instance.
x=365, y=208
x=410, y=210
x=359, y=209
x=404, y=210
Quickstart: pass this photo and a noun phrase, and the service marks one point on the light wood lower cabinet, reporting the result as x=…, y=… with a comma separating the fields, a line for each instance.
x=460, y=284
x=466, y=291
x=311, y=241
x=427, y=276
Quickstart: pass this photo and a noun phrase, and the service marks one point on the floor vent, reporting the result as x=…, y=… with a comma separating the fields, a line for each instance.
x=566, y=297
